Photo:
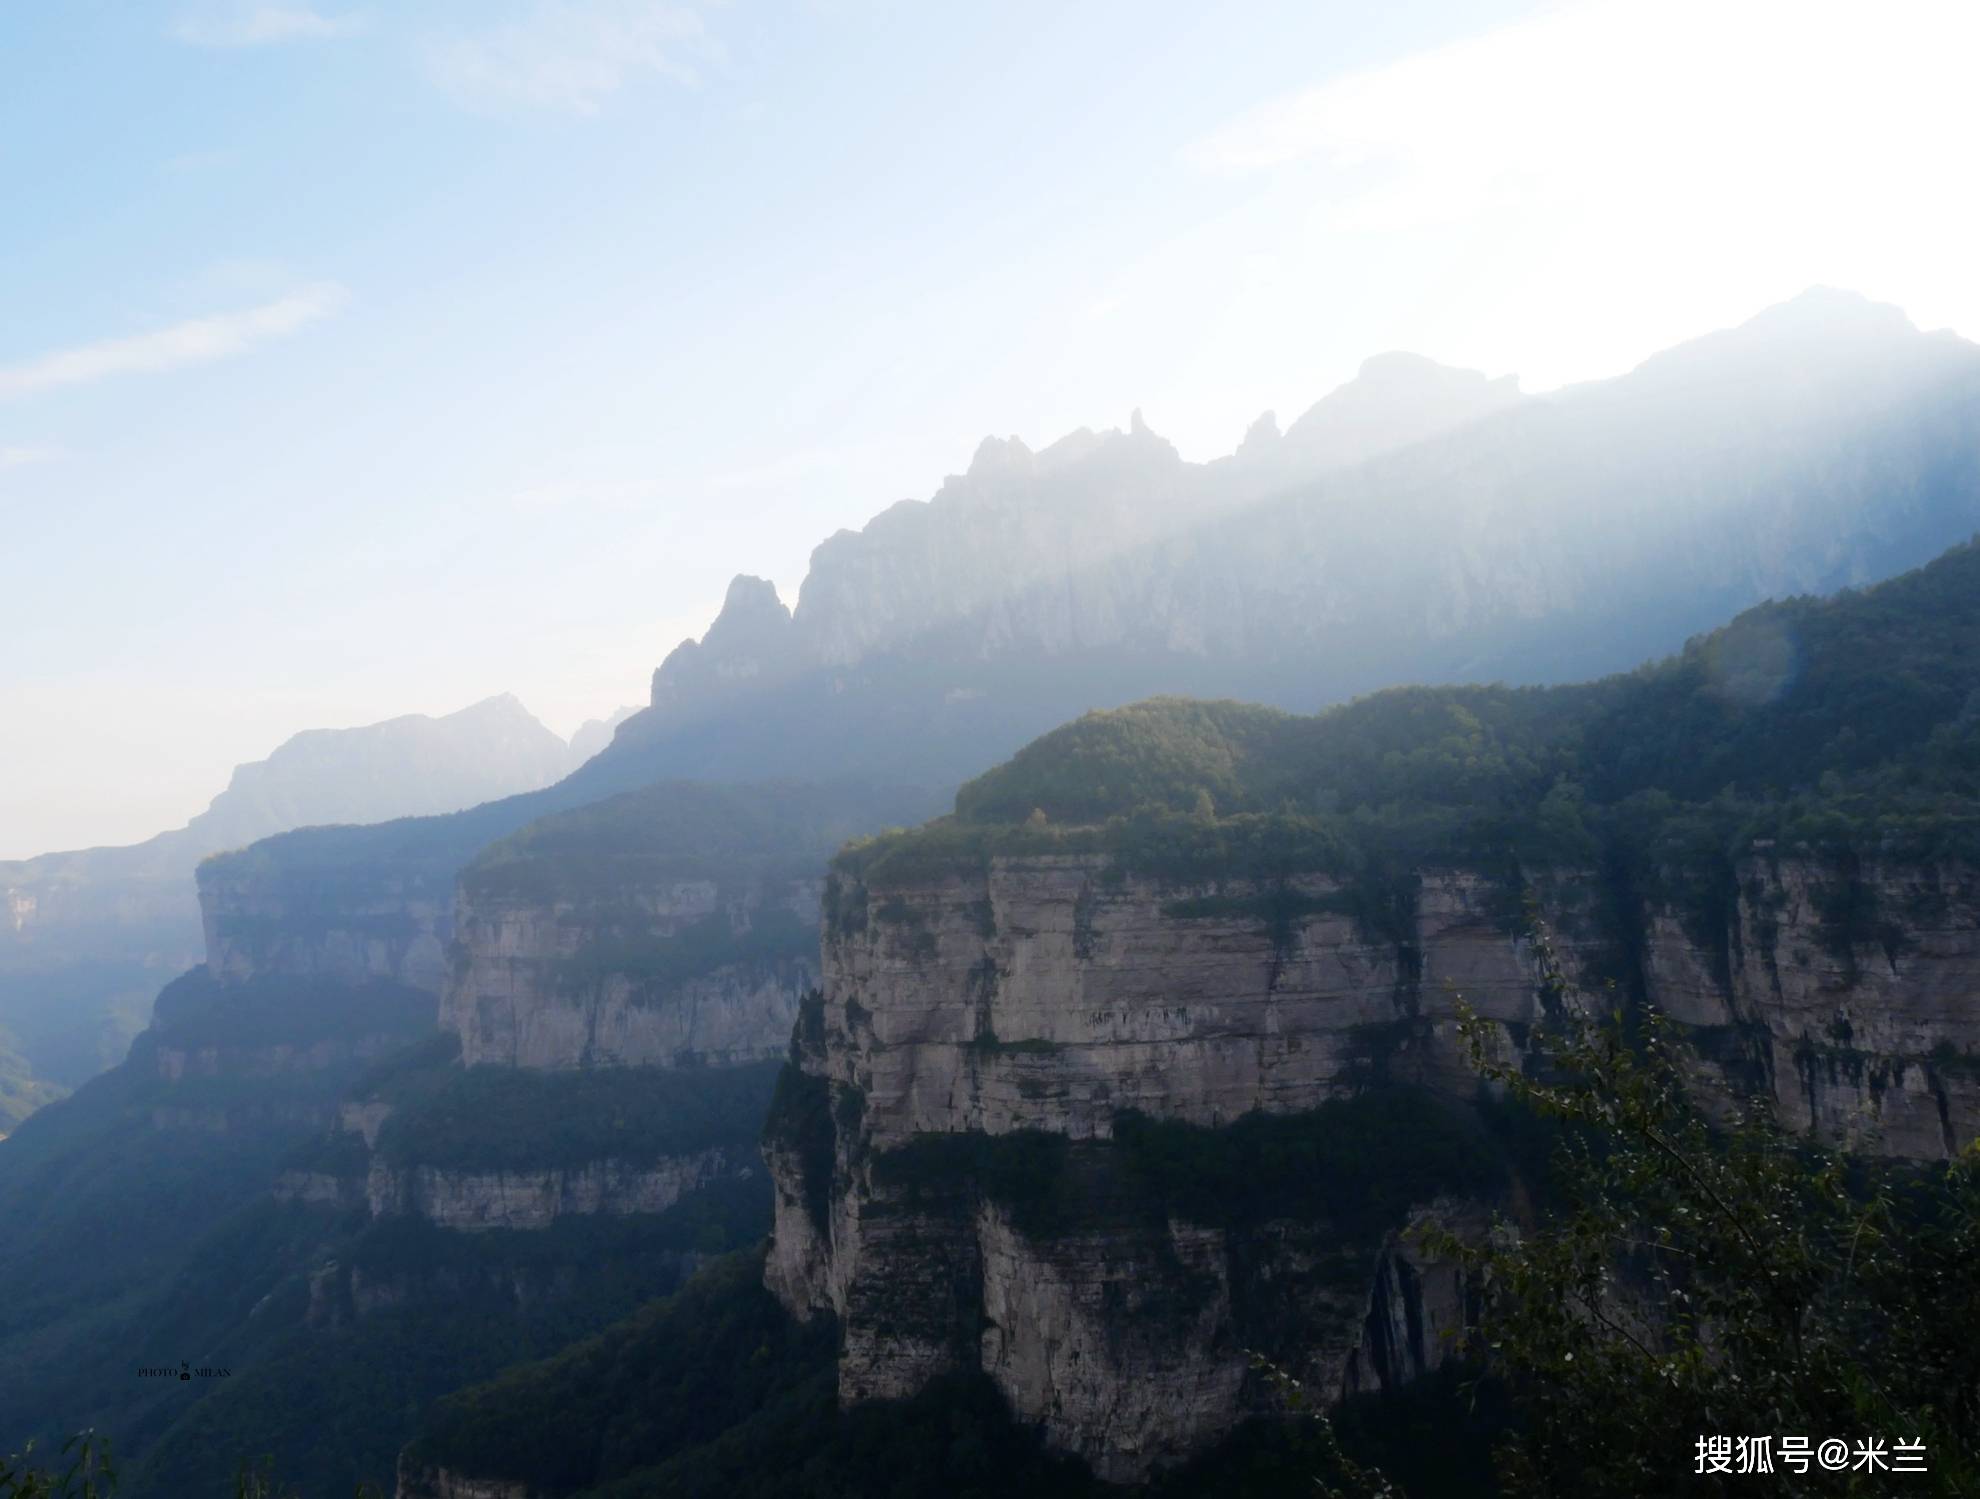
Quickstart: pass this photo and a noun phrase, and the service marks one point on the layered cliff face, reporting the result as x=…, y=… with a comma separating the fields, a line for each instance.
x=474, y=1149
x=668, y=927
x=521, y=1196
x=1419, y=524
x=1054, y=988
x=1848, y=994
x=984, y=1029
x=1038, y=1005
x=87, y=938
x=623, y=977
x=235, y=1056
x=684, y=972
x=253, y=930
x=1145, y=1060
x=528, y=1199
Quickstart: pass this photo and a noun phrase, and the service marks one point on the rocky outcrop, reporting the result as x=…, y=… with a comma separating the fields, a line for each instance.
x=177, y=1063
x=1042, y=998
x=422, y=1481
x=1419, y=523
x=682, y=971
x=318, y=1188
x=256, y=927
x=364, y=1117
x=88, y=937
x=594, y=734
x=1046, y=994
x=1849, y=995
x=1046, y=991
x=265, y=1052
x=472, y=1201
x=1419, y=1306
x=749, y=647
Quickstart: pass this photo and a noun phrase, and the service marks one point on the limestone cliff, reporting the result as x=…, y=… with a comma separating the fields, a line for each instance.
x=1844, y=992
x=987, y=1026
x=499, y=1147
x=686, y=971
x=88, y=937
x=622, y=979
x=422, y=1481
x=1048, y=994
x=526, y=1198
x=258, y=927
x=673, y=926
x=238, y=1056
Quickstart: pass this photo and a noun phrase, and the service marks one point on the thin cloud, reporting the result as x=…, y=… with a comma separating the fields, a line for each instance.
x=262, y=25
x=26, y=457
x=1603, y=176
x=1610, y=97
x=199, y=341
x=571, y=55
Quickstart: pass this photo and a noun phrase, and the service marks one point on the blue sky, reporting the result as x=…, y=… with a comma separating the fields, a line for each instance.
x=367, y=359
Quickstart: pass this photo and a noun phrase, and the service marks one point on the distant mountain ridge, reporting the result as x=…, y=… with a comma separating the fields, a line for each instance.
x=594, y=734
x=413, y=764
x=88, y=936
x=1520, y=536
x=1419, y=524
x=1017, y=519
x=1823, y=443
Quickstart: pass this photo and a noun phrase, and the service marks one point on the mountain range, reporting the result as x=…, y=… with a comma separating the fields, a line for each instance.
x=90, y=935
x=455, y=1094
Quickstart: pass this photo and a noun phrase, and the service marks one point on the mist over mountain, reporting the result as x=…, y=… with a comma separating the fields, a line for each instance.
x=460, y=1089
x=386, y=1213
x=595, y=733
x=1824, y=443
x=398, y=768
x=1420, y=524
x=89, y=935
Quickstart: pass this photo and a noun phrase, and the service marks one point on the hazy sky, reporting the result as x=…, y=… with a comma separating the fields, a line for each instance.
x=360, y=359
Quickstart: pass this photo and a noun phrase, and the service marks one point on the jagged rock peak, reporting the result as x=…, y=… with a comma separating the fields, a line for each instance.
x=595, y=733
x=1400, y=369
x=751, y=641
x=1394, y=400
x=1078, y=444
x=1823, y=334
x=1000, y=455
x=749, y=601
x=1262, y=436
x=1828, y=307
x=501, y=705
